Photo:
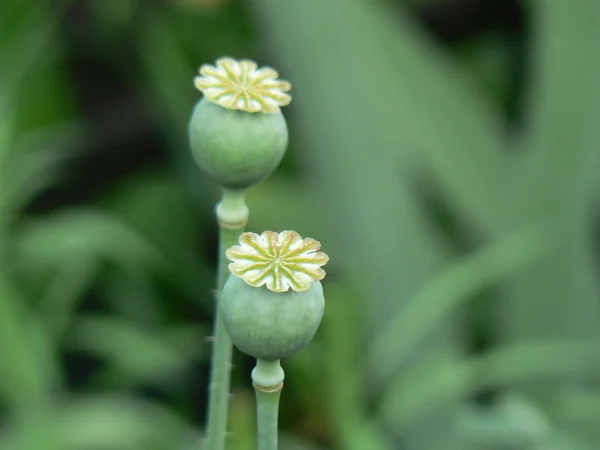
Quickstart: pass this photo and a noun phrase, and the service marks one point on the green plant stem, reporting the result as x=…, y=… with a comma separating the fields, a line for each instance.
x=232, y=213
x=267, y=409
x=268, y=382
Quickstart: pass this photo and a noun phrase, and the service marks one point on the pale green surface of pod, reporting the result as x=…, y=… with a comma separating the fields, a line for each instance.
x=270, y=325
x=236, y=148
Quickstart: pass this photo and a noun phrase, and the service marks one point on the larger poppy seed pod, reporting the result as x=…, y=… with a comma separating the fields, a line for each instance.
x=273, y=303
x=238, y=134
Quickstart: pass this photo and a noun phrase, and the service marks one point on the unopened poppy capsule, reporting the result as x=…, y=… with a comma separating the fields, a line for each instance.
x=238, y=134
x=273, y=303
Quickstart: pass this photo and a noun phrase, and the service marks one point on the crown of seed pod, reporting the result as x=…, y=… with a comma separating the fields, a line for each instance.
x=272, y=303
x=237, y=132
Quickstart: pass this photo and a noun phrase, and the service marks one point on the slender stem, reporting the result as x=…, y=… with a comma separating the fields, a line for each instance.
x=232, y=213
x=268, y=382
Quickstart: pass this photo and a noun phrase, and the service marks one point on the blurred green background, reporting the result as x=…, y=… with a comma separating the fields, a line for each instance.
x=445, y=152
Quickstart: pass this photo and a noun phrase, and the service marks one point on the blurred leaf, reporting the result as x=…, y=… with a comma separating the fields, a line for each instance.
x=378, y=86
x=158, y=206
x=188, y=339
x=30, y=164
x=435, y=383
x=578, y=410
x=562, y=144
x=513, y=423
x=565, y=95
x=169, y=77
x=6, y=135
x=134, y=351
x=29, y=431
x=135, y=297
x=113, y=18
x=449, y=290
x=353, y=428
x=289, y=441
x=77, y=233
x=108, y=423
x=282, y=204
x=26, y=48
x=58, y=139
x=23, y=178
x=27, y=372
x=58, y=302
x=491, y=57
x=558, y=297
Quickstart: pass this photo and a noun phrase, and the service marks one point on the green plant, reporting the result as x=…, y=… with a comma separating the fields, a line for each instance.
x=238, y=136
x=461, y=154
x=271, y=306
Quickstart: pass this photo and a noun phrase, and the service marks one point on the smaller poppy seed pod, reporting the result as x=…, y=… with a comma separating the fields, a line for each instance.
x=272, y=303
x=237, y=132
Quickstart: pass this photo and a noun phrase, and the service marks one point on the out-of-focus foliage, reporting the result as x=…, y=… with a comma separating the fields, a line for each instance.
x=446, y=161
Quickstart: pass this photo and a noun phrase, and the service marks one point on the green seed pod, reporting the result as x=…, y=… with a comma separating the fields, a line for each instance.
x=236, y=148
x=270, y=325
x=272, y=303
x=238, y=134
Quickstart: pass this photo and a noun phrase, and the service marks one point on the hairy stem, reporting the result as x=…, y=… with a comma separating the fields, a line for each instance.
x=232, y=213
x=268, y=382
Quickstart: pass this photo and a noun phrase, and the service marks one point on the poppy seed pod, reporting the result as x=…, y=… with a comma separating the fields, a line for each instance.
x=237, y=149
x=273, y=303
x=270, y=325
x=237, y=132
